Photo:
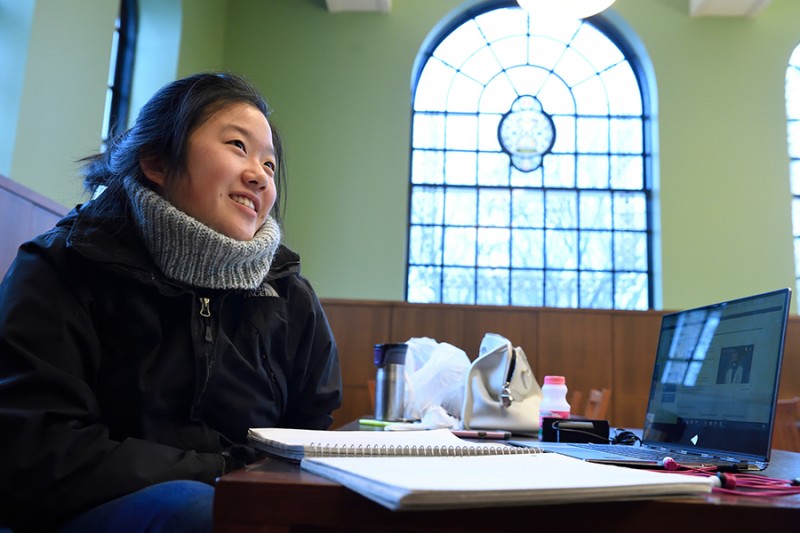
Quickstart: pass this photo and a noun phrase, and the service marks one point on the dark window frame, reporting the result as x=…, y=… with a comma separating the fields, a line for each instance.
x=123, y=67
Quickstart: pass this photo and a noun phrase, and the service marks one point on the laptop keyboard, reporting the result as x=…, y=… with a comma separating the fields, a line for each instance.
x=648, y=454
x=636, y=452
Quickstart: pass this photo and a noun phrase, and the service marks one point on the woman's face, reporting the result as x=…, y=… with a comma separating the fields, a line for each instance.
x=230, y=167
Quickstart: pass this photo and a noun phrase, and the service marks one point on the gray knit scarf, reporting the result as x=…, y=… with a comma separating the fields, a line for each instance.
x=188, y=251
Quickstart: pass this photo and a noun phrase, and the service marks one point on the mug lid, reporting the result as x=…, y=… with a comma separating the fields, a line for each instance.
x=391, y=353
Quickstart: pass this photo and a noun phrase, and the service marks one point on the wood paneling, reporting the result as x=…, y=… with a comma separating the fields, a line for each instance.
x=790, y=371
x=519, y=327
x=577, y=346
x=24, y=214
x=358, y=327
x=635, y=340
x=441, y=322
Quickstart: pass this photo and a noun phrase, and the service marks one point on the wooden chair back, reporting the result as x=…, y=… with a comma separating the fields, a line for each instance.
x=597, y=404
x=786, y=435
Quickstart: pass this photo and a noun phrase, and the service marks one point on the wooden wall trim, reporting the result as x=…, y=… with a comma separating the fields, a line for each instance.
x=32, y=197
x=24, y=214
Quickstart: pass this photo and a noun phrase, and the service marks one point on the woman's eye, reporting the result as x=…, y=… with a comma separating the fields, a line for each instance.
x=270, y=165
x=238, y=144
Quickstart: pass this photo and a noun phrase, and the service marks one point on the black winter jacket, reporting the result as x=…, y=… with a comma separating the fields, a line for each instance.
x=113, y=377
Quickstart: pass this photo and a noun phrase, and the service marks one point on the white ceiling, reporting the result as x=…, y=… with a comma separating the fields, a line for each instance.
x=697, y=8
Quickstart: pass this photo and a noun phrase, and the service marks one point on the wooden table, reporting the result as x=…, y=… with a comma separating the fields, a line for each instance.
x=277, y=496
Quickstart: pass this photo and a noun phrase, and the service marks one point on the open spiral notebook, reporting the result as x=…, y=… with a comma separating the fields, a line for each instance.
x=415, y=470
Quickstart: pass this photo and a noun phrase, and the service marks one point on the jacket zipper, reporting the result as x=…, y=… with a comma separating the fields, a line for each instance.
x=265, y=362
x=205, y=312
x=205, y=355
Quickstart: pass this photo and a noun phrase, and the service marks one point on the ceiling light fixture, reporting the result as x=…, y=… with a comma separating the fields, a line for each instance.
x=565, y=8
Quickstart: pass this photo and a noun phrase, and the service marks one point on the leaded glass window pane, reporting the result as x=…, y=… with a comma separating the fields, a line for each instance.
x=493, y=208
x=458, y=285
x=492, y=169
x=460, y=168
x=425, y=284
x=561, y=249
x=461, y=132
x=427, y=205
x=596, y=251
x=627, y=172
x=561, y=289
x=505, y=211
x=428, y=131
x=493, y=249
x=595, y=210
x=597, y=290
x=630, y=290
x=527, y=208
x=527, y=287
x=433, y=86
x=593, y=171
x=459, y=246
x=630, y=251
x=796, y=216
x=797, y=257
x=460, y=207
x=426, y=249
x=561, y=209
x=492, y=286
x=527, y=248
x=427, y=166
x=794, y=138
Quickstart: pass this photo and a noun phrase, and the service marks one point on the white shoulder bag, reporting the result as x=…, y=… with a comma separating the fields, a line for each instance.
x=501, y=390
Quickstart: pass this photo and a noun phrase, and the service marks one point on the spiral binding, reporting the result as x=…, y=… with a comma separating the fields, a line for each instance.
x=318, y=449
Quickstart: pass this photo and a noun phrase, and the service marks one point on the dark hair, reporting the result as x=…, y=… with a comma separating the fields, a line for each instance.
x=163, y=128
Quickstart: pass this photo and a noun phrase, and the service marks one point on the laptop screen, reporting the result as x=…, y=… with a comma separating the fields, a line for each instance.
x=716, y=376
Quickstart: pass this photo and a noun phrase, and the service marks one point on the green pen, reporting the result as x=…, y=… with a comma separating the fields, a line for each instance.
x=373, y=422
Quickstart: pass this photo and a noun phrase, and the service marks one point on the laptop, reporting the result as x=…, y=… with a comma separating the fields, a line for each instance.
x=714, y=389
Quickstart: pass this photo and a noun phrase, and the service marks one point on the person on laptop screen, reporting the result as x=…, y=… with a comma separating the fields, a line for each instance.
x=153, y=326
x=734, y=361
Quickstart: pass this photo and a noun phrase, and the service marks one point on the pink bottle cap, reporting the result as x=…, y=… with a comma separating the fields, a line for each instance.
x=554, y=380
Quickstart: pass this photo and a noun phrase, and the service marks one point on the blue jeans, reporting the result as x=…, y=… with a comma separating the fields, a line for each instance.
x=173, y=506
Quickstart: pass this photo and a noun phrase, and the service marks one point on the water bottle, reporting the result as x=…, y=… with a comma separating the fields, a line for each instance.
x=390, y=384
x=554, y=400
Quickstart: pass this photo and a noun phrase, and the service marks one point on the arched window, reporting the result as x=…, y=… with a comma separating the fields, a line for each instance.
x=793, y=118
x=530, y=164
x=120, y=70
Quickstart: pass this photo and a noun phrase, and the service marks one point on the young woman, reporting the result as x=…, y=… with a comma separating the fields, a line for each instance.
x=143, y=335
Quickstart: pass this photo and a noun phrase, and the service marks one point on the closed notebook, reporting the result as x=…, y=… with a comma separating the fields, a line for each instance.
x=434, y=469
x=295, y=444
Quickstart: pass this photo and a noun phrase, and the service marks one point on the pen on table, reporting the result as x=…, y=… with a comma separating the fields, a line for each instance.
x=481, y=434
x=373, y=422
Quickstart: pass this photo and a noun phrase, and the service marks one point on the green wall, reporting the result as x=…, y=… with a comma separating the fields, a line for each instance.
x=340, y=87
x=61, y=110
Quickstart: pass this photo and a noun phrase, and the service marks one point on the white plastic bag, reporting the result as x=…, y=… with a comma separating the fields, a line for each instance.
x=434, y=381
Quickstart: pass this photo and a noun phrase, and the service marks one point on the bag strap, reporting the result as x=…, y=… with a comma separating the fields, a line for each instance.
x=505, y=394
